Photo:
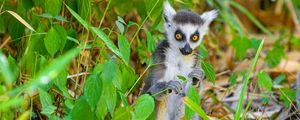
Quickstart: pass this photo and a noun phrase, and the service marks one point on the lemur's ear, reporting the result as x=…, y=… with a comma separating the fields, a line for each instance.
x=169, y=12
x=209, y=16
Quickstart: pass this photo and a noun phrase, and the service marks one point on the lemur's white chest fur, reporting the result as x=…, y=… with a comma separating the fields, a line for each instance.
x=177, y=64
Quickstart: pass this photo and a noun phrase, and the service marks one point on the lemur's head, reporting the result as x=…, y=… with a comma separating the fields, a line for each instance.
x=185, y=29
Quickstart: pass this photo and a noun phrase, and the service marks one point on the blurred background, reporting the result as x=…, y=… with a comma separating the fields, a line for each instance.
x=80, y=59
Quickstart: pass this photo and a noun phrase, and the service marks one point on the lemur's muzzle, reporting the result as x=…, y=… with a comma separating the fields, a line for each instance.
x=186, y=49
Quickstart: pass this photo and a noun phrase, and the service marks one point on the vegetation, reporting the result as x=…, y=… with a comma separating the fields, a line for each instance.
x=86, y=59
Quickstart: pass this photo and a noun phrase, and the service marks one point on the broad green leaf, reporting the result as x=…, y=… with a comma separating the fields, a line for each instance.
x=264, y=81
x=82, y=110
x=15, y=29
x=53, y=6
x=287, y=96
x=2, y=27
x=61, y=83
x=27, y=4
x=208, y=71
x=6, y=71
x=84, y=8
x=275, y=55
x=109, y=71
x=240, y=44
x=203, y=53
x=93, y=90
x=194, y=96
x=144, y=107
x=110, y=95
x=128, y=77
x=80, y=20
x=195, y=107
x=123, y=113
x=279, y=79
x=55, y=39
x=101, y=109
x=120, y=26
x=124, y=47
x=46, y=101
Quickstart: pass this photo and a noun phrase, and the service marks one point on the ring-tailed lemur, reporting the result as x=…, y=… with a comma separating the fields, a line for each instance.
x=174, y=57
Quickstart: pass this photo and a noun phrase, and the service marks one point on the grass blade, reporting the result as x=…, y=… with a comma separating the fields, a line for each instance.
x=240, y=103
x=191, y=104
x=250, y=16
x=19, y=18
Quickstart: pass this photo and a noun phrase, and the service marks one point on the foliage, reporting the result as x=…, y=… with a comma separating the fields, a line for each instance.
x=85, y=59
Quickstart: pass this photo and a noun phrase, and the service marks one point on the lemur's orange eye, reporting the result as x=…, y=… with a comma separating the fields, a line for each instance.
x=178, y=36
x=195, y=37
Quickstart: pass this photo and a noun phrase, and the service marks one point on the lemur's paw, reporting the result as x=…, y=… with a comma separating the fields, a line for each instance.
x=174, y=86
x=196, y=75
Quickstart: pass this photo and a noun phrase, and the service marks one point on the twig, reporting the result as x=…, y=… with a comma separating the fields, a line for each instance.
x=5, y=42
x=77, y=75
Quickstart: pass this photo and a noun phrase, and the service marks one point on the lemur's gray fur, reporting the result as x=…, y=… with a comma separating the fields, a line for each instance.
x=175, y=57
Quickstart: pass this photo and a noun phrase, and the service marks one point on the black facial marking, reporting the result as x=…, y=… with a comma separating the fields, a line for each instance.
x=184, y=17
x=196, y=33
x=186, y=50
x=181, y=33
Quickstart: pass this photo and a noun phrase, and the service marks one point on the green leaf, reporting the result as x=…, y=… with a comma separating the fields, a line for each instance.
x=61, y=83
x=128, y=77
x=240, y=44
x=144, y=107
x=109, y=71
x=233, y=79
x=245, y=82
x=101, y=109
x=82, y=110
x=194, y=96
x=195, y=107
x=209, y=71
x=55, y=39
x=108, y=42
x=288, y=96
x=6, y=71
x=110, y=95
x=2, y=27
x=124, y=47
x=203, y=53
x=53, y=7
x=15, y=29
x=120, y=26
x=93, y=90
x=279, y=79
x=275, y=55
x=80, y=20
x=150, y=43
x=123, y=113
x=46, y=101
x=84, y=8
x=264, y=81
x=123, y=98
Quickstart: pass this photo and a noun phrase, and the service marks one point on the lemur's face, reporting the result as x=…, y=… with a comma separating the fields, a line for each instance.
x=185, y=29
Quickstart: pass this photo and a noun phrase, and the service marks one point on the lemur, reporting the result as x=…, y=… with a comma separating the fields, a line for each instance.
x=175, y=57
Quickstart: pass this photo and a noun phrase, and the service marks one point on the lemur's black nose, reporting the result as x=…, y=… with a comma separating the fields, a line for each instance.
x=186, y=49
